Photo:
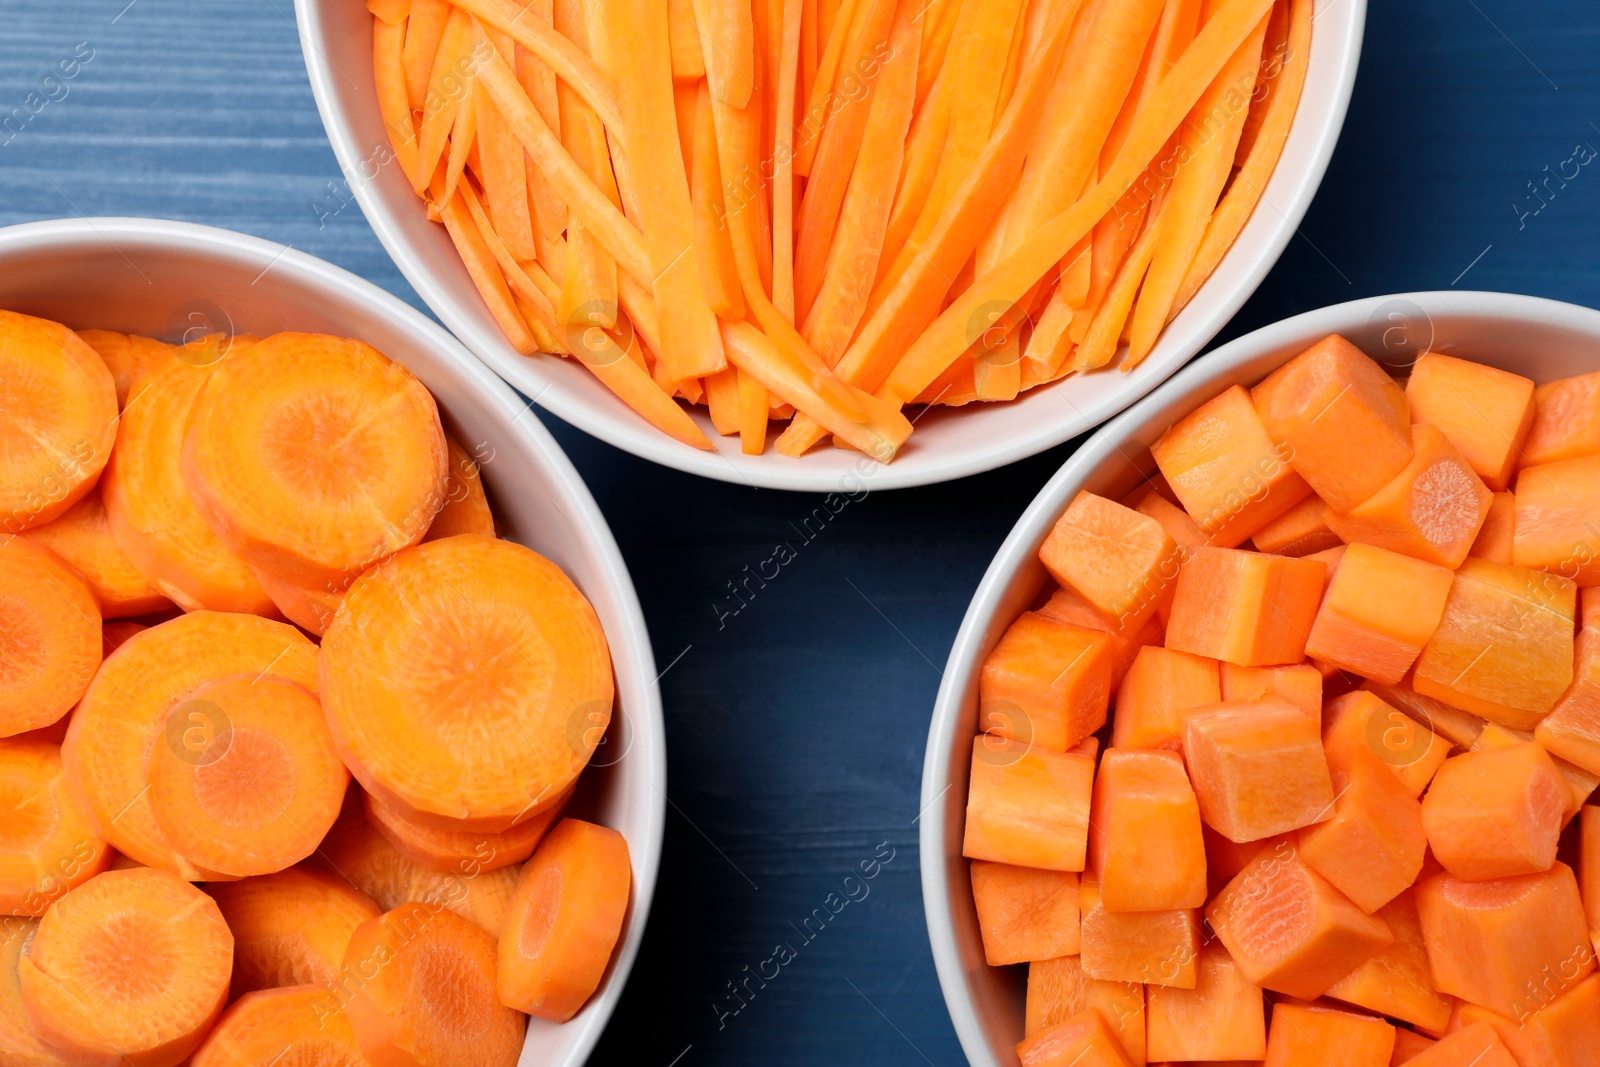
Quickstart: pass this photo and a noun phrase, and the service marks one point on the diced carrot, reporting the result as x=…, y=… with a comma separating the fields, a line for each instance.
x=1497, y=535
x=125, y=712
x=1227, y=473
x=1484, y=411
x=1084, y=1040
x=1504, y=648
x=1397, y=981
x=1553, y=525
x=1028, y=806
x=1572, y=730
x=1066, y=606
x=1360, y=721
x=1496, y=813
x=1179, y=526
x=1329, y=405
x=1372, y=847
x=1046, y=682
x=1557, y=1028
x=1156, y=948
x=1246, y=608
x=47, y=845
x=1589, y=867
x=1225, y=858
x=1258, y=768
x=1221, y=1018
x=130, y=967
x=49, y=636
x=1058, y=989
x=297, y=1024
x=403, y=1012
x=1566, y=421
x=1460, y=727
x=457, y=850
x=1144, y=834
x=1121, y=562
x=1300, y=685
x=1509, y=945
x=1309, y=1035
x=1580, y=783
x=1289, y=929
x=1380, y=608
x=1159, y=687
x=1300, y=531
x=1476, y=1044
x=1025, y=914
x=290, y=928
x=82, y=537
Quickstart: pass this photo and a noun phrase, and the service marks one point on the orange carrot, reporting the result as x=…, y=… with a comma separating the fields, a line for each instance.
x=1497, y=536
x=719, y=276
x=1157, y=948
x=1551, y=526
x=683, y=38
x=1371, y=848
x=1362, y=721
x=301, y=1023
x=1046, y=683
x=1300, y=685
x=1258, y=768
x=1313, y=1033
x=1397, y=981
x=1058, y=989
x=290, y=928
x=1220, y=1018
x=1379, y=610
x=1496, y=813
x=1159, y=687
x=50, y=643
x=82, y=537
x=424, y=28
x=727, y=43
x=569, y=62
x=1028, y=807
x=1085, y=1039
x=1144, y=833
x=1025, y=914
x=1485, y=412
x=389, y=72
x=47, y=845
x=1477, y=1044
x=1121, y=562
x=1250, y=609
x=458, y=850
x=1301, y=531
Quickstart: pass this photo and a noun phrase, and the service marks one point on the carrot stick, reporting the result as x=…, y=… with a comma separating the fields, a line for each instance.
x=548, y=211
x=827, y=15
x=1105, y=329
x=505, y=178
x=683, y=38
x=633, y=385
x=935, y=45
x=463, y=138
x=449, y=82
x=809, y=50
x=529, y=282
x=685, y=98
x=589, y=282
x=388, y=68
x=816, y=115
x=722, y=398
x=719, y=277
x=727, y=42
x=485, y=272
x=390, y=12
x=754, y=407
x=640, y=306
x=424, y=29
x=924, y=148
x=1273, y=51
x=783, y=161
x=568, y=62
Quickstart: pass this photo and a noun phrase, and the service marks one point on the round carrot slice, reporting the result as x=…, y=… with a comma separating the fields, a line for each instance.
x=130, y=358
x=299, y=1025
x=315, y=457
x=418, y=985
x=255, y=795
x=459, y=851
x=152, y=515
x=484, y=716
x=58, y=418
x=124, y=715
x=82, y=537
x=130, y=967
x=310, y=609
x=49, y=636
x=290, y=928
x=46, y=845
x=19, y=1047
x=564, y=920
x=466, y=506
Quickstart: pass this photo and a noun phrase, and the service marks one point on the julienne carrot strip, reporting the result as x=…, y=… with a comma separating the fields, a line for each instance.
x=589, y=282
x=683, y=38
x=783, y=161
x=505, y=177
x=1105, y=329
x=569, y=62
x=935, y=45
x=727, y=40
x=754, y=410
x=480, y=262
x=633, y=385
x=424, y=28
x=813, y=120
x=449, y=83
x=924, y=148
x=464, y=140
x=719, y=277
x=540, y=83
x=521, y=281
x=722, y=400
x=388, y=68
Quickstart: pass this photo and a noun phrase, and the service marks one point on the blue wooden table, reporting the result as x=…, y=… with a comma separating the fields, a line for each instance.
x=797, y=725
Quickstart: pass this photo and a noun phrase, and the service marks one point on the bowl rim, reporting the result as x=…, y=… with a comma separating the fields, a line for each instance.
x=1210, y=310
x=632, y=654
x=1190, y=384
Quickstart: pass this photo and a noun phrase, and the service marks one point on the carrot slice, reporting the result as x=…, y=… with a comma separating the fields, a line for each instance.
x=1160, y=686
x=1025, y=914
x=1067, y=607
x=1058, y=989
x=1361, y=721
x=1046, y=683
x=1372, y=847
x=1379, y=610
x=82, y=537
x=299, y=1024
x=1484, y=411
x=438, y=741
x=1243, y=607
x=1028, y=806
x=1157, y=948
x=49, y=636
x=1397, y=981
x=1301, y=531
x=403, y=1014
x=1496, y=813
x=1477, y=1044
x=132, y=967
x=466, y=507
x=1085, y=1039
x=290, y=928
x=1221, y=1018
x=17, y=1039
x=140, y=688
x=1144, y=833
x=128, y=357
x=1300, y=685
x=1552, y=528
x=1118, y=560
x=1314, y=1033
x=461, y=851
x=47, y=846
x=1258, y=768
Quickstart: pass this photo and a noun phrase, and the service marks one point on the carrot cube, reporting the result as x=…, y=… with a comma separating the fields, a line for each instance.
x=1179, y=526
x=1225, y=471
x=1225, y=858
x=1152, y=947
x=1221, y=1018
x=1408, y=1045
x=1379, y=610
x=1458, y=727
x=1085, y=1040
x=1144, y=833
x=1120, y=562
x=1289, y=929
x=1572, y=730
x=1246, y=608
x=1300, y=685
x=1300, y=531
x=1497, y=534
x=1359, y=721
x=1344, y=421
x=1258, y=769
x=1397, y=981
x=1023, y=913
x=1553, y=528
x=1503, y=648
x=1159, y=687
x=1486, y=412
x=1028, y=806
x=1579, y=782
x=1432, y=510
x=1561, y=1029
x=1313, y=1035
x=1372, y=848
x=1065, y=606
x=1496, y=813
x=1476, y=1045
x=1566, y=420
x=1046, y=682
x=1589, y=867
x=1509, y=945
x=1058, y=989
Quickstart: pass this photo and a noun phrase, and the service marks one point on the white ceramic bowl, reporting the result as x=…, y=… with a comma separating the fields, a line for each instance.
x=1542, y=339
x=169, y=279
x=336, y=37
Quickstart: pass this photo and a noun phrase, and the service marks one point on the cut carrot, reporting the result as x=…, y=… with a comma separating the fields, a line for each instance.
x=1221, y=1018
x=783, y=187
x=124, y=715
x=59, y=420
x=565, y=59
x=1572, y=730
x=130, y=967
x=1173, y=519
x=1226, y=471
x=1068, y=607
x=1553, y=529
x=1362, y=722
x=47, y=846
x=49, y=636
x=1330, y=404
x=505, y=179
x=713, y=246
x=299, y=1024
x=450, y=78
x=1560, y=1028
x=1046, y=682
x=1246, y=608
x=1303, y=1035
x=1058, y=989
x=1225, y=858
x=424, y=27
x=1589, y=866
x=400, y=1009
x=1086, y=1040
x=17, y=1039
x=1157, y=948
x=477, y=245
x=1408, y=1045
x=1397, y=981
x=1566, y=421
x=1477, y=1044
x=1289, y=929
x=1509, y=945
x=1258, y=768
x=514, y=650
x=1144, y=833
x=1300, y=685
x=1485, y=412
x=755, y=407
x=1300, y=531
x=1379, y=610
x=1497, y=535
x=1118, y=560
x=82, y=537
x=1496, y=813
x=1579, y=782
x=1372, y=847
x=1025, y=914
x=389, y=74
x=132, y=358
x=1459, y=727
x=1028, y=806
x=564, y=920
x=290, y=928
x=1159, y=687
x=459, y=851
x=466, y=507
x=1504, y=648
x=683, y=41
